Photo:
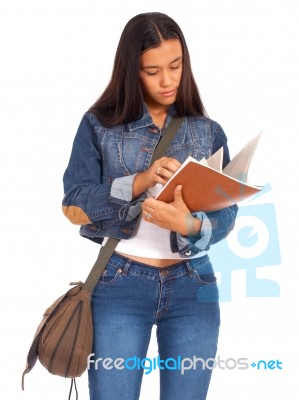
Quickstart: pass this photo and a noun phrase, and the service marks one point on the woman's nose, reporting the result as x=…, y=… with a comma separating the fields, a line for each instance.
x=165, y=79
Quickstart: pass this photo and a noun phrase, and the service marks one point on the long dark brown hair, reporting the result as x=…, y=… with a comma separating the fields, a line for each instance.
x=122, y=100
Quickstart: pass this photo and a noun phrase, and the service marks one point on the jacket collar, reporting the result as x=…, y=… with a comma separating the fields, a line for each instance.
x=146, y=118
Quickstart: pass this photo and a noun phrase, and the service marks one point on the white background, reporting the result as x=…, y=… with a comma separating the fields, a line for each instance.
x=56, y=59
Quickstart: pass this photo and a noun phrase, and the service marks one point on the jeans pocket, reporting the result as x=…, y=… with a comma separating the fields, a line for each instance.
x=203, y=271
x=110, y=275
x=206, y=279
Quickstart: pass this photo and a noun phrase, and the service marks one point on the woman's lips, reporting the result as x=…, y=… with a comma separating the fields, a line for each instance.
x=168, y=93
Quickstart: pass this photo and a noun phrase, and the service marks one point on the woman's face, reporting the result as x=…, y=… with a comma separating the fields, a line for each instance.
x=160, y=73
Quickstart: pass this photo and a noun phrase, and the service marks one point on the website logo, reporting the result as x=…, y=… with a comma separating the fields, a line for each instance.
x=251, y=245
x=179, y=363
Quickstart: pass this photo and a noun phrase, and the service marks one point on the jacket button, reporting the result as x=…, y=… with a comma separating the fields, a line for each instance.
x=153, y=130
x=126, y=230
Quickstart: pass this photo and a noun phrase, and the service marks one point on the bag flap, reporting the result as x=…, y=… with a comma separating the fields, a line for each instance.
x=48, y=314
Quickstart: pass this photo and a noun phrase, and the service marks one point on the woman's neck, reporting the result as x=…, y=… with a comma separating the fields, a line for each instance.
x=158, y=115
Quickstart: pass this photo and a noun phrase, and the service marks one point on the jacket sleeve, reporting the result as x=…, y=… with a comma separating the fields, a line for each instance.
x=216, y=225
x=89, y=197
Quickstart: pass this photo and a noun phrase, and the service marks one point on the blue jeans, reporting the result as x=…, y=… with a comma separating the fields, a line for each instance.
x=182, y=300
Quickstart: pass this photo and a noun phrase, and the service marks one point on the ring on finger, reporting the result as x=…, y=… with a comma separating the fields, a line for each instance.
x=148, y=216
x=158, y=170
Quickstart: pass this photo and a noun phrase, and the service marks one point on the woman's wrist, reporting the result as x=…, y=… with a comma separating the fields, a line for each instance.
x=191, y=226
x=139, y=185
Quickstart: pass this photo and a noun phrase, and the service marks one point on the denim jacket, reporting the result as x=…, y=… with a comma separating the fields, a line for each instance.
x=104, y=161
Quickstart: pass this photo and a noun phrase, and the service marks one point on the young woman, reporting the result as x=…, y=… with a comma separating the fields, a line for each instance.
x=160, y=272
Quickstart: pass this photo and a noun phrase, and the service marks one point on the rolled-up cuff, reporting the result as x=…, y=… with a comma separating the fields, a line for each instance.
x=121, y=192
x=189, y=246
x=122, y=188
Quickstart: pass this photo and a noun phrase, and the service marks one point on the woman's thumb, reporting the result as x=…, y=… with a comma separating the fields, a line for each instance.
x=178, y=192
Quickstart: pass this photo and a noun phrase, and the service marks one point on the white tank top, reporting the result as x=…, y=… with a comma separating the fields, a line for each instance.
x=150, y=241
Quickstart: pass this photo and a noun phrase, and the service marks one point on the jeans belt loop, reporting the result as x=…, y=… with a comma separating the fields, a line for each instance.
x=126, y=267
x=189, y=268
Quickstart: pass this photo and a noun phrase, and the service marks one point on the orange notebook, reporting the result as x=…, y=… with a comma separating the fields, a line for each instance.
x=206, y=187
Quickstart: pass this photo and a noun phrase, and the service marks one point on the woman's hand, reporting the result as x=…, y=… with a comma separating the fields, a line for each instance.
x=174, y=216
x=160, y=172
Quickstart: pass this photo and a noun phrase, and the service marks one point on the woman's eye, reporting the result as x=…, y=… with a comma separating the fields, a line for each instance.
x=176, y=67
x=152, y=73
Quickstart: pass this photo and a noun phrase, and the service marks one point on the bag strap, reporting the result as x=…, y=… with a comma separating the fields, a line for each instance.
x=107, y=250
